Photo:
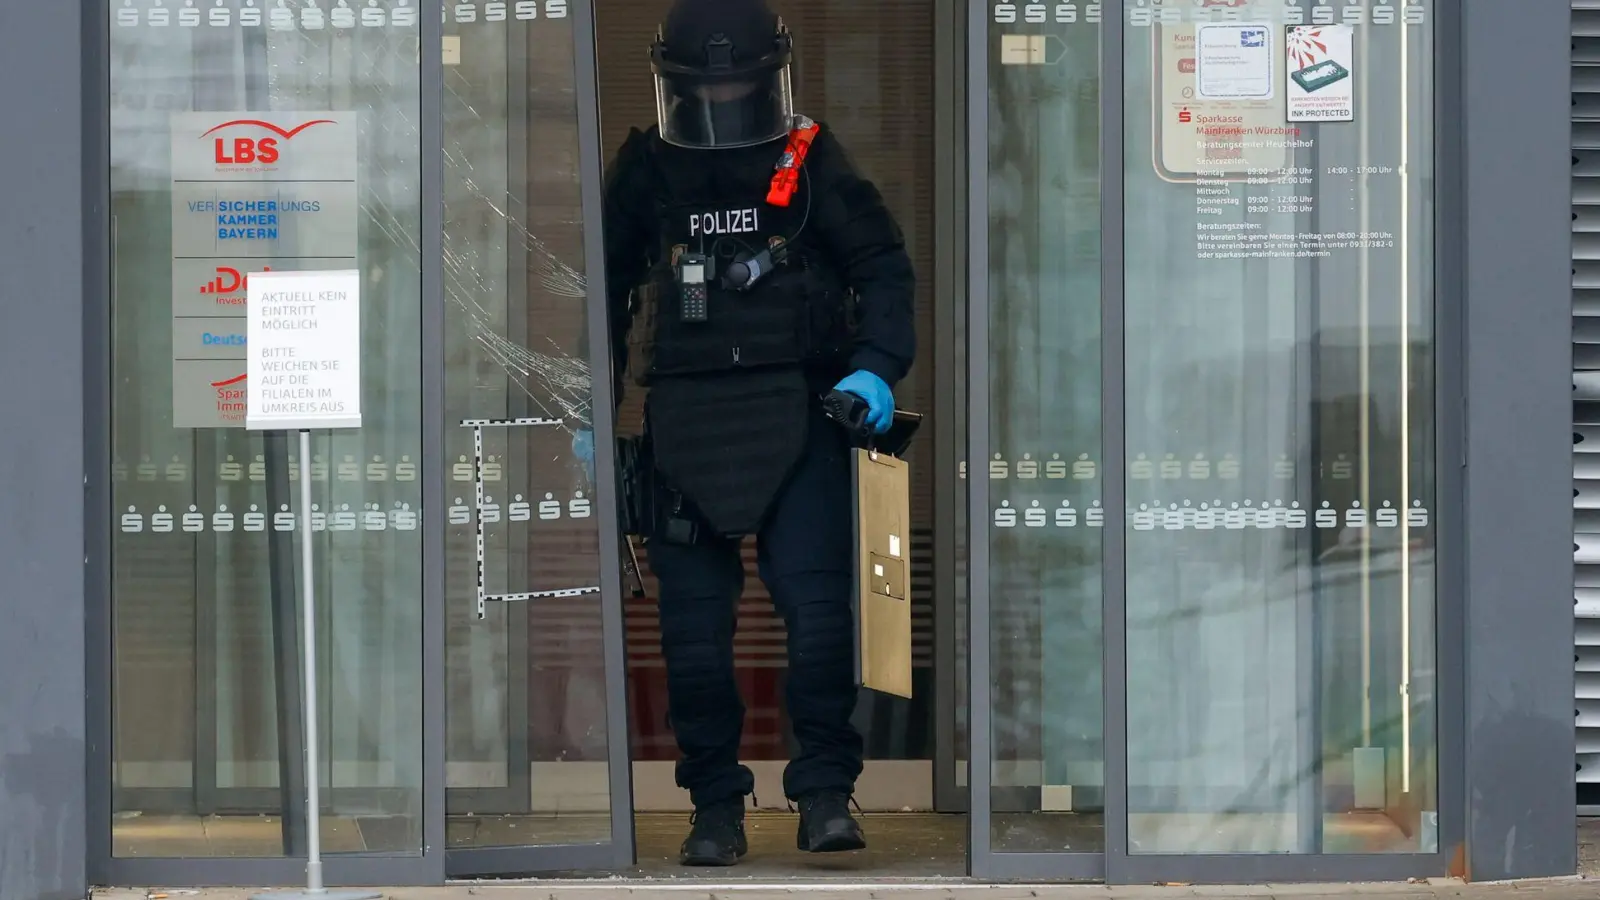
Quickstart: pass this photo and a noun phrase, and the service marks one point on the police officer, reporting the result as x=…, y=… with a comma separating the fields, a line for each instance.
x=763, y=271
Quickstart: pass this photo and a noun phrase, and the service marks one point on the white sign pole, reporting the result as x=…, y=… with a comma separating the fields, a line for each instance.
x=303, y=350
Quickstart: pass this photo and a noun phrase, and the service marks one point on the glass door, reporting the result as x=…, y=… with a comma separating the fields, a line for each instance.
x=1278, y=686
x=1203, y=458
x=1277, y=298
x=470, y=666
x=536, y=751
x=243, y=139
x=1035, y=476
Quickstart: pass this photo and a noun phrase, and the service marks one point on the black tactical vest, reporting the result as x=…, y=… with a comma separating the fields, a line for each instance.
x=729, y=398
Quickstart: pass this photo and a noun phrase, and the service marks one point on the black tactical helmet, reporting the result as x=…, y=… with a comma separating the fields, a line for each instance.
x=722, y=74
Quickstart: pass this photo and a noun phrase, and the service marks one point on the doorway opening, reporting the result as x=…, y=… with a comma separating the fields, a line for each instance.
x=868, y=72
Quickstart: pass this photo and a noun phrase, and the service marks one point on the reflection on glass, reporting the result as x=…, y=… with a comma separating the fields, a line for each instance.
x=1048, y=783
x=1280, y=432
x=313, y=132
x=526, y=706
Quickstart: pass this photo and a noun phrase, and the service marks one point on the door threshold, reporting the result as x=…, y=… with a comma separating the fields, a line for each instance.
x=755, y=883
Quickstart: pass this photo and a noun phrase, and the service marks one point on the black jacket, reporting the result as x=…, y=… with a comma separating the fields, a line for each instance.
x=848, y=222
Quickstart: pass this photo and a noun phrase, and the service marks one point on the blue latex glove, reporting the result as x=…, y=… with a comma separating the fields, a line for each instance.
x=872, y=389
x=583, y=449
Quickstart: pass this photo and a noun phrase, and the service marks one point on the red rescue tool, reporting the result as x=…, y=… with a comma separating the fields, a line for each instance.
x=787, y=179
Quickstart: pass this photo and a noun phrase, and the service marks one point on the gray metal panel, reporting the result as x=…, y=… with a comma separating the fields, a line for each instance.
x=1045, y=867
x=431, y=135
x=1448, y=415
x=1519, y=713
x=980, y=766
x=1113, y=449
x=983, y=860
x=97, y=437
x=1449, y=412
x=949, y=265
x=42, y=794
x=547, y=859
x=602, y=414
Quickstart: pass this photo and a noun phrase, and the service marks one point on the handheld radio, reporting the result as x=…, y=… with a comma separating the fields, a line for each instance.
x=693, y=270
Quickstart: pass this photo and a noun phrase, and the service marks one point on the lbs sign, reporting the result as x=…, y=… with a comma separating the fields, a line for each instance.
x=250, y=149
x=247, y=146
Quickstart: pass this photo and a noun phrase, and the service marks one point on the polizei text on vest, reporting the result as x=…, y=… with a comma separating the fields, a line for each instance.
x=726, y=221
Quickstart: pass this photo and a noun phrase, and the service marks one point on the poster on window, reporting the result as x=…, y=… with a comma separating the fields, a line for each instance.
x=1233, y=62
x=252, y=191
x=1221, y=137
x=1320, y=60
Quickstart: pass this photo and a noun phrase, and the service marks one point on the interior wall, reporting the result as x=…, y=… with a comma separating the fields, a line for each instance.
x=866, y=70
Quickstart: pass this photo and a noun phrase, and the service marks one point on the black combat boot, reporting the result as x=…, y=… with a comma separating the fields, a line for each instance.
x=716, y=837
x=826, y=825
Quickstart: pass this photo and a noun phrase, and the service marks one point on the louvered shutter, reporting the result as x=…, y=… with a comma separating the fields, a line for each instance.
x=1586, y=391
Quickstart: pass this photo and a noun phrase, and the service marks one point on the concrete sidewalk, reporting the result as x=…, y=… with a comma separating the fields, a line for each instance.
x=1575, y=888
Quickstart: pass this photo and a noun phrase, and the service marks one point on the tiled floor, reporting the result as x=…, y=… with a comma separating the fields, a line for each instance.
x=241, y=836
x=901, y=844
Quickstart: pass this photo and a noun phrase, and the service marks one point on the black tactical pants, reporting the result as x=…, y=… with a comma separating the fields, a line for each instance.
x=804, y=560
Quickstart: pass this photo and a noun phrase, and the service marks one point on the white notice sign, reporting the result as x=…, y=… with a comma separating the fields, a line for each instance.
x=1321, y=68
x=303, y=350
x=1234, y=62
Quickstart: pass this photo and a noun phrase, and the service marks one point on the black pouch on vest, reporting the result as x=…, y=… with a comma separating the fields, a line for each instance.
x=635, y=486
x=829, y=319
x=650, y=509
x=743, y=330
x=641, y=336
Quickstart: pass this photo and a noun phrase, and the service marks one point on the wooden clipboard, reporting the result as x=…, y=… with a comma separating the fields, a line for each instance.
x=881, y=497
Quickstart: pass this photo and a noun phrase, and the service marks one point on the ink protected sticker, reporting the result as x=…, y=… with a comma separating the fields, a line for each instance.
x=1320, y=63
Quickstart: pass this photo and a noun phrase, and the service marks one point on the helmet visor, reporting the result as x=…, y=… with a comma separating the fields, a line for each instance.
x=722, y=112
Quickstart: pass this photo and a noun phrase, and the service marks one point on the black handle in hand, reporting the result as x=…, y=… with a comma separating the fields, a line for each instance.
x=849, y=411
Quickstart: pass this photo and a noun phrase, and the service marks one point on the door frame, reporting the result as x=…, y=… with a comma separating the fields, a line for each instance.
x=950, y=237
x=425, y=863
x=1122, y=865
x=983, y=861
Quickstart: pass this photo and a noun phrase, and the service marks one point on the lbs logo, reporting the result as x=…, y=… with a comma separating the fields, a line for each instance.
x=259, y=146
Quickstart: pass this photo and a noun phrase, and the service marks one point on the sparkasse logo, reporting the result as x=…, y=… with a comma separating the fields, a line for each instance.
x=230, y=397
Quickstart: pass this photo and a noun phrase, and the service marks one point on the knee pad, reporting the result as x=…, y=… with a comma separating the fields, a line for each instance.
x=821, y=628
